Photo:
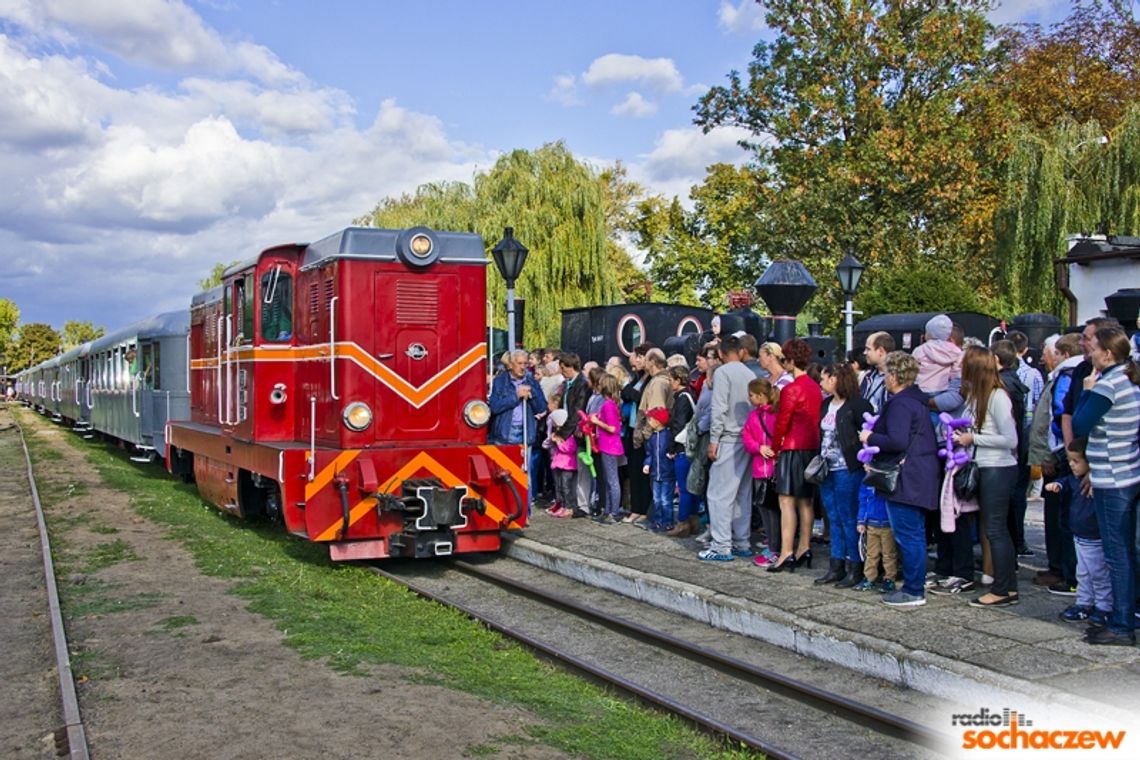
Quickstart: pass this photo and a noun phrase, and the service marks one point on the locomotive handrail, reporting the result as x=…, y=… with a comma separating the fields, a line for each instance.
x=332, y=347
x=90, y=403
x=230, y=401
x=77, y=381
x=187, y=362
x=312, y=438
x=272, y=285
x=218, y=369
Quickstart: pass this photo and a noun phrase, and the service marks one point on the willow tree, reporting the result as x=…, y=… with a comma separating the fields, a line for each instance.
x=1072, y=179
x=558, y=207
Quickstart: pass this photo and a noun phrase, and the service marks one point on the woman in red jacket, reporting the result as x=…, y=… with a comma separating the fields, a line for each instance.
x=796, y=441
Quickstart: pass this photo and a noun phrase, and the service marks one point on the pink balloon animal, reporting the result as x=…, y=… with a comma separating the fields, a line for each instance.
x=954, y=455
x=867, y=453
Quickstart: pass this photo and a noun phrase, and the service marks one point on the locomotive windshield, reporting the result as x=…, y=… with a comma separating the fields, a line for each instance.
x=276, y=306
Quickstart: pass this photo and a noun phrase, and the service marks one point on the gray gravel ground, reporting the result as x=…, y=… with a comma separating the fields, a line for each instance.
x=798, y=728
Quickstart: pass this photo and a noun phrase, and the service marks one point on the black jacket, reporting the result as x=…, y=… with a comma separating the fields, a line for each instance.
x=574, y=398
x=848, y=424
x=683, y=409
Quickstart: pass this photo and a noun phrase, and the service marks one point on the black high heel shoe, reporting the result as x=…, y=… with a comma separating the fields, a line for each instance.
x=803, y=559
x=787, y=563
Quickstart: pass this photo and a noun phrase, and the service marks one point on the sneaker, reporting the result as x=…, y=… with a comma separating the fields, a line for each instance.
x=1098, y=618
x=1075, y=614
x=1106, y=637
x=1024, y=551
x=903, y=599
x=1062, y=589
x=604, y=519
x=711, y=555
x=953, y=585
x=578, y=514
x=865, y=585
x=887, y=587
x=553, y=508
x=561, y=513
x=932, y=580
x=764, y=559
x=743, y=553
x=987, y=580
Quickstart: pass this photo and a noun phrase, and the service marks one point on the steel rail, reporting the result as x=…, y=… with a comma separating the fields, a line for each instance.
x=704, y=722
x=73, y=721
x=849, y=709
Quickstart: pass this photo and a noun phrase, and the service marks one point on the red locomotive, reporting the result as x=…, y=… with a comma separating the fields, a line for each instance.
x=339, y=388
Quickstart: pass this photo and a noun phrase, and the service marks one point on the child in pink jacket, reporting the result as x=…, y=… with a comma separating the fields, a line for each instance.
x=564, y=466
x=757, y=439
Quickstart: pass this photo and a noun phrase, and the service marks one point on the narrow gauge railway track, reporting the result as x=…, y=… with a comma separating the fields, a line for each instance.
x=829, y=703
x=72, y=731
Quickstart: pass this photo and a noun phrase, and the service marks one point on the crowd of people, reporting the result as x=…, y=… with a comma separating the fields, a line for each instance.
x=896, y=452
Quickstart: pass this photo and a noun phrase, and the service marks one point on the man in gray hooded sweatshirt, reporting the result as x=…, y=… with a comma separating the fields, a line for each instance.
x=730, y=475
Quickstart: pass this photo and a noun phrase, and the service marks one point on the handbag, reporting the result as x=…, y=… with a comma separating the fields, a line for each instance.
x=883, y=478
x=966, y=481
x=817, y=470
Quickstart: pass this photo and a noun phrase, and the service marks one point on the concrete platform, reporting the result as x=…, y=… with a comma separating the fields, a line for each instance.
x=967, y=655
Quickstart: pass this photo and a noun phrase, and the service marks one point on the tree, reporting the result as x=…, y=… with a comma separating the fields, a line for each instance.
x=877, y=129
x=1085, y=68
x=1066, y=180
x=77, y=333
x=214, y=278
x=9, y=318
x=923, y=286
x=36, y=342
x=621, y=196
x=558, y=209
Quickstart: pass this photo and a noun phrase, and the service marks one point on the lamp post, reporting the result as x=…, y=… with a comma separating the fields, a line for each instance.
x=510, y=255
x=849, y=272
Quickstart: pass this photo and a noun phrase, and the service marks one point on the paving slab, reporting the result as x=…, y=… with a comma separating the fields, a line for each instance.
x=946, y=647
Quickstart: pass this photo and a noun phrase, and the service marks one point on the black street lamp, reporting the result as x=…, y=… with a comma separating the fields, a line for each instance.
x=510, y=255
x=849, y=271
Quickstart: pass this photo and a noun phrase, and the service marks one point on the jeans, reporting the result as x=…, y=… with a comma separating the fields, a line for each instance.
x=686, y=502
x=908, y=523
x=1116, y=518
x=609, y=491
x=663, y=491
x=995, y=485
x=840, y=494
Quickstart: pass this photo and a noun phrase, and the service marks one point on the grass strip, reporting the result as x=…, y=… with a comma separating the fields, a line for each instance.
x=351, y=619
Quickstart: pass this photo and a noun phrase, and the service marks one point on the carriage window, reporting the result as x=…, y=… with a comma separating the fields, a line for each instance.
x=276, y=306
x=147, y=365
x=155, y=378
x=245, y=295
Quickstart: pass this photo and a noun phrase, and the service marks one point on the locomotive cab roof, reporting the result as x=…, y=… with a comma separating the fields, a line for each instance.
x=393, y=245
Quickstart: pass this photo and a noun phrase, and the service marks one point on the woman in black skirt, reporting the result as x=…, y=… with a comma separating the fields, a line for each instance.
x=796, y=441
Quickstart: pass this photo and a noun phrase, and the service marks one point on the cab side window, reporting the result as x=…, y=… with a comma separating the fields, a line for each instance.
x=276, y=306
x=246, y=294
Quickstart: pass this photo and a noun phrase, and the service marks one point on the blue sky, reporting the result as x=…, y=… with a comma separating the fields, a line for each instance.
x=141, y=141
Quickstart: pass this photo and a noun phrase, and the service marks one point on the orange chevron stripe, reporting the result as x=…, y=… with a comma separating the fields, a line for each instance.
x=495, y=454
x=325, y=476
x=417, y=397
x=422, y=461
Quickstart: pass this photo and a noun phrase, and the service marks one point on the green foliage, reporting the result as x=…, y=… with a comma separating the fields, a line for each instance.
x=9, y=318
x=77, y=333
x=558, y=207
x=35, y=342
x=924, y=285
x=214, y=278
x=877, y=131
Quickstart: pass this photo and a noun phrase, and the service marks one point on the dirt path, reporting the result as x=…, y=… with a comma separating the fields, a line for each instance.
x=172, y=666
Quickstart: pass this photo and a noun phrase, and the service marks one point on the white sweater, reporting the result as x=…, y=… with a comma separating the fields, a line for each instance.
x=997, y=440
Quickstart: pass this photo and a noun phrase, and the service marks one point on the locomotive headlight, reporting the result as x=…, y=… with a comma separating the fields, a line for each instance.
x=357, y=416
x=476, y=413
x=421, y=246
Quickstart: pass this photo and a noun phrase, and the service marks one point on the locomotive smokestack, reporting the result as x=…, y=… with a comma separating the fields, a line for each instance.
x=786, y=286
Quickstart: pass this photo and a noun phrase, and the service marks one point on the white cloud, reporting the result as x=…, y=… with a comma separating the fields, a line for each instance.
x=1029, y=11
x=165, y=34
x=565, y=90
x=658, y=74
x=634, y=106
x=742, y=16
x=680, y=158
